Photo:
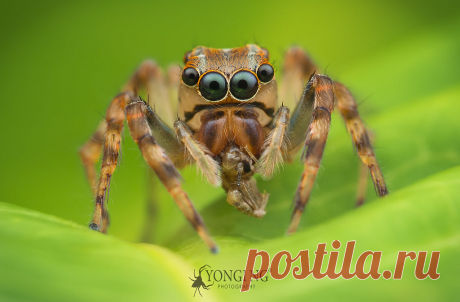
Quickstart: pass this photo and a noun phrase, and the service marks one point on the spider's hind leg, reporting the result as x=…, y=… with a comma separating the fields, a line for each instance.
x=361, y=138
x=114, y=118
x=147, y=76
x=90, y=153
x=297, y=69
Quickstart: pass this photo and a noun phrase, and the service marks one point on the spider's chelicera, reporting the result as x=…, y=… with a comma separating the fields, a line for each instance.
x=230, y=124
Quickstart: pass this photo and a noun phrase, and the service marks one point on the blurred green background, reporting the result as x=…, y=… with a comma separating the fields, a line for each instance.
x=61, y=63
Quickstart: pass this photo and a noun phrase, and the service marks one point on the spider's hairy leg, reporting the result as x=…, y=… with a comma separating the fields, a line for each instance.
x=90, y=153
x=355, y=126
x=297, y=69
x=363, y=175
x=162, y=94
x=201, y=154
x=275, y=146
x=157, y=159
x=301, y=118
x=321, y=89
x=149, y=77
x=147, y=74
x=114, y=118
x=166, y=138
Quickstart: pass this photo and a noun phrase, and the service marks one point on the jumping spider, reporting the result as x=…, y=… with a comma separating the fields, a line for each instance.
x=229, y=123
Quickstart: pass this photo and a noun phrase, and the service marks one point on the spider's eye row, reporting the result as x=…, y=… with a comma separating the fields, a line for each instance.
x=213, y=86
x=244, y=85
x=265, y=73
x=190, y=76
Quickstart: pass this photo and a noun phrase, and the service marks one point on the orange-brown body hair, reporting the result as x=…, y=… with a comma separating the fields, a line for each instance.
x=217, y=123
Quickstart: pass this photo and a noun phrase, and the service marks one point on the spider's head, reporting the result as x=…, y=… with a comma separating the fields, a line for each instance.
x=233, y=75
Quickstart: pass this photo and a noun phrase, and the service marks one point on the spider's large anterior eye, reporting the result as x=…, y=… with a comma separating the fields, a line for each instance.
x=213, y=86
x=244, y=85
x=190, y=76
x=265, y=73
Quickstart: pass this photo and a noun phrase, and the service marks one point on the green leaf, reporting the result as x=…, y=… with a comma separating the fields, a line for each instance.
x=422, y=217
x=63, y=62
x=43, y=258
x=46, y=259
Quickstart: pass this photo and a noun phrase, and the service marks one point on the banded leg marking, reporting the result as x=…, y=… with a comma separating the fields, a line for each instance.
x=157, y=159
x=360, y=136
x=114, y=118
x=317, y=133
x=148, y=76
x=90, y=153
x=362, y=184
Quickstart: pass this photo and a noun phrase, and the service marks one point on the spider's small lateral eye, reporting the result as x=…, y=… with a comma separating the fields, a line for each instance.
x=265, y=73
x=190, y=76
x=244, y=85
x=213, y=86
x=187, y=56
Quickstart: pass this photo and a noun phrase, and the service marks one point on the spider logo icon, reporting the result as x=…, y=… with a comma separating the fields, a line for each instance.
x=198, y=282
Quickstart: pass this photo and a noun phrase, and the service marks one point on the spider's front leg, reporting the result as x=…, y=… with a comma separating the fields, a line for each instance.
x=148, y=76
x=157, y=159
x=144, y=126
x=320, y=92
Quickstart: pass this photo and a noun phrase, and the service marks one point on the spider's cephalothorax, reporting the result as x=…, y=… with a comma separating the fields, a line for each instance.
x=230, y=124
x=227, y=97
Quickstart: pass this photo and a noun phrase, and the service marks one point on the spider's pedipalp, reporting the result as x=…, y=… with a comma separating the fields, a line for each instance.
x=202, y=156
x=275, y=146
